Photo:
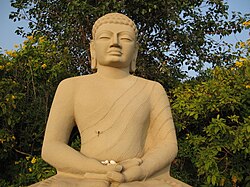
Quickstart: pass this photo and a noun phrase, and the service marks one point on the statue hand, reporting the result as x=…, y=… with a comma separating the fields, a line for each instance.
x=134, y=174
x=131, y=163
x=114, y=167
x=113, y=176
x=114, y=173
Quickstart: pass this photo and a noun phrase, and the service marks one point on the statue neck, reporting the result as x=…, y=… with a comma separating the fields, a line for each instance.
x=112, y=73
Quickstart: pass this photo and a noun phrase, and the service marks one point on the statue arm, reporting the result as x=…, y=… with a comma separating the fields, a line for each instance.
x=55, y=148
x=158, y=158
x=161, y=143
x=161, y=146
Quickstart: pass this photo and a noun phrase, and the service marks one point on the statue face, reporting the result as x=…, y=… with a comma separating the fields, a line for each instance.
x=115, y=45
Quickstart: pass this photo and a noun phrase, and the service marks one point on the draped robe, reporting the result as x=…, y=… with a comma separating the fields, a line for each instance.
x=117, y=120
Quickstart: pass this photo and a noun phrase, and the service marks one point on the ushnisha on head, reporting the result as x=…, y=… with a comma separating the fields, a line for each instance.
x=114, y=42
x=114, y=18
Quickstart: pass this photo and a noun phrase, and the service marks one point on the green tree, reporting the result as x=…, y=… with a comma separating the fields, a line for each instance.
x=171, y=33
x=29, y=77
x=212, y=116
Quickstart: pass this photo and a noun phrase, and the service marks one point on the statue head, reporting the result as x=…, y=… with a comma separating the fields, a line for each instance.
x=114, y=42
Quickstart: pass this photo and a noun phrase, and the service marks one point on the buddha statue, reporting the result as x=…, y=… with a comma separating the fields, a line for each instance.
x=128, y=137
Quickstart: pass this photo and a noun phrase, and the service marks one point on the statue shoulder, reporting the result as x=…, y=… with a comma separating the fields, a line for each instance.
x=157, y=86
x=74, y=81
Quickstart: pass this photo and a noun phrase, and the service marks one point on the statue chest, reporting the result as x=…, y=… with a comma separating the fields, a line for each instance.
x=95, y=98
x=112, y=117
x=99, y=108
x=114, y=123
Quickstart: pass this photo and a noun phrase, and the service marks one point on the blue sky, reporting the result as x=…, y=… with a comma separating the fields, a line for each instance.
x=8, y=38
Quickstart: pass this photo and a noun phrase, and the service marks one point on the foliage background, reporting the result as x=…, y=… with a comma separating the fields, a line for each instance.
x=211, y=111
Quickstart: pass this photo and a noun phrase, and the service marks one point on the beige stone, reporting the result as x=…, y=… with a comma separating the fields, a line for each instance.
x=127, y=132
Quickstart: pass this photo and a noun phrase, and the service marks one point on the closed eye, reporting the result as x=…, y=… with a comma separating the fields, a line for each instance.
x=126, y=38
x=104, y=37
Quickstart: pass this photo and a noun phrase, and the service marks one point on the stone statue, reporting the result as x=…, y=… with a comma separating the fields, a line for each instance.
x=127, y=133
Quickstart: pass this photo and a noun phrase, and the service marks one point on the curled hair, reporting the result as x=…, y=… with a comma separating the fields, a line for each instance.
x=114, y=18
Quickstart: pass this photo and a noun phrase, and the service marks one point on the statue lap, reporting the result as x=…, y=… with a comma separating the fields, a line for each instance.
x=61, y=180
x=66, y=181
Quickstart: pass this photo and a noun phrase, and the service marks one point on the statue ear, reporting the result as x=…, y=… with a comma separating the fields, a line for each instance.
x=93, y=56
x=132, y=67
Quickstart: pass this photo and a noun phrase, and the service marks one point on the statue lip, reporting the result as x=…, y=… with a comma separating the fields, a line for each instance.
x=115, y=52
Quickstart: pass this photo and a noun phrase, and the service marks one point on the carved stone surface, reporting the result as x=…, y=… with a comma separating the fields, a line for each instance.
x=127, y=132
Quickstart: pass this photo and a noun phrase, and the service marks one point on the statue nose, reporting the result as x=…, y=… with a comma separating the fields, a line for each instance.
x=115, y=41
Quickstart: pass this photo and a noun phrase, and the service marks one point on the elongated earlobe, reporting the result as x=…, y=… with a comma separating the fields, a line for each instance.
x=132, y=67
x=93, y=56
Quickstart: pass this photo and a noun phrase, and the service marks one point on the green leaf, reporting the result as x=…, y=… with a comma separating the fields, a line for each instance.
x=213, y=180
x=9, y=121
